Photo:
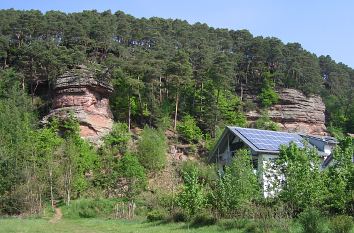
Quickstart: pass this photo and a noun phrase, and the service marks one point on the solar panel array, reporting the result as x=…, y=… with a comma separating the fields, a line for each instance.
x=269, y=140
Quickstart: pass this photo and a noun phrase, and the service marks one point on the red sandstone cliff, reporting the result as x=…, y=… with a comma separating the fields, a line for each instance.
x=296, y=112
x=80, y=92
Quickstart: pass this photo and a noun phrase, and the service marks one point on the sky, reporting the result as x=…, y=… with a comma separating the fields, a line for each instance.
x=323, y=27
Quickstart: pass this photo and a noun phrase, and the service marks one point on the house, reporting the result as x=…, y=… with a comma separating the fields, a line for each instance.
x=264, y=146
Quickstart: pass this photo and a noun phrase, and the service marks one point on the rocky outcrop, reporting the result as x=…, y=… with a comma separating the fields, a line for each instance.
x=296, y=112
x=81, y=93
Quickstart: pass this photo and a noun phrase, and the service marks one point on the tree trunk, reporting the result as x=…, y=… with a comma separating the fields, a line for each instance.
x=216, y=112
x=176, y=111
x=160, y=90
x=51, y=186
x=68, y=188
x=129, y=111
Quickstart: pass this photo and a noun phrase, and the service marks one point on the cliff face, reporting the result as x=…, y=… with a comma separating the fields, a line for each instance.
x=296, y=112
x=81, y=93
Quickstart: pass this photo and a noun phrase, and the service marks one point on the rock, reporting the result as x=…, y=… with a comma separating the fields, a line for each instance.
x=296, y=112
x=81, y=93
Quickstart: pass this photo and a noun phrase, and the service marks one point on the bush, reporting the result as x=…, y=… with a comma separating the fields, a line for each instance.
x=264, y=122
x=189, y=130
x=118, y=137
x=156, y=215
x=192, y=198
x=89, y=208
x=205, y=173
x=130, y=169
x=312, y=221
x=203, y=219
x=152, y=149
x=341, y=224
x=228, y=224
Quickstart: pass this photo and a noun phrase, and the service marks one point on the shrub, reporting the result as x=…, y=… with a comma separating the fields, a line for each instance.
x=264, y=122
x=189, y=130
x=312, y=221
x=268, y=96
x=341, y=224
x=89, y=208
x=203, y=219
x=228, y=224
x=134, y=173
x=152, y=149
x=236, y=188
x=192, y=198
x=119, y=137
x=205, y=173
x=178, y=216
x=156, y=215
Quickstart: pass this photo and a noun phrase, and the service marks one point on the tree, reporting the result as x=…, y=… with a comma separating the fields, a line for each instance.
x=151, y=149
x=268, y=96
x=236, y=187
x=179, y=71
x=189, y=130
x=340, y=188
x=130, y=169
x=192, y=198
x=301, y=177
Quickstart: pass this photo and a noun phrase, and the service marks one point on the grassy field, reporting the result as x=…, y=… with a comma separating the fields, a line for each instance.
x=95, y=226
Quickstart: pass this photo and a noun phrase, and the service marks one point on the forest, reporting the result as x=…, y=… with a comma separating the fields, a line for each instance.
x=166, y=74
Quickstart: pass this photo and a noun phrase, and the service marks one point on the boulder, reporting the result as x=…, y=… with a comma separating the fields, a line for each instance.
x=296, y=112
x=84, y=94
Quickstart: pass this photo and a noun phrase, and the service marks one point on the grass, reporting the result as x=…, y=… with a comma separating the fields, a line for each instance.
x=12, y=225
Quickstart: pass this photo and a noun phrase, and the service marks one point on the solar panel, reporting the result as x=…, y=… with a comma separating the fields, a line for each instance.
x=269, y=140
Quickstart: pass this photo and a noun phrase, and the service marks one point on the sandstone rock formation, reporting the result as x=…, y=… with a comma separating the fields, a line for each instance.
x=296, y=112
x=81, y=93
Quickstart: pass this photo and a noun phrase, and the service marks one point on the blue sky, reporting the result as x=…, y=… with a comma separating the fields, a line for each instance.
x=324, y=27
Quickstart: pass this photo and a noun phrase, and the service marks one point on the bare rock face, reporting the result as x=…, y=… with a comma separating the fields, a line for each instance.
x=81, y=93
x=296, y=112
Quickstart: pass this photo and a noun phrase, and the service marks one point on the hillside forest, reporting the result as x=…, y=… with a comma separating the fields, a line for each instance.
x=167, y=75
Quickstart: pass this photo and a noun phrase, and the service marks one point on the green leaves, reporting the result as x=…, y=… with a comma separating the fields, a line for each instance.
x=189, y=130
x=192, y=198
x=151, y=150
x=237, y=186
x=302, y=177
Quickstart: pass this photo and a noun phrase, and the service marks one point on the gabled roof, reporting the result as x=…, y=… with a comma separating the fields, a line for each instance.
x=261, y=141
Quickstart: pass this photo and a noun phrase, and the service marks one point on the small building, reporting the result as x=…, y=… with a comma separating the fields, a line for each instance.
x=264, y=146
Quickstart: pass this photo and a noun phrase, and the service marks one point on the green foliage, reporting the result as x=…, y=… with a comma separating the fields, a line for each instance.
x=268, y=96
x=189, y=130
x=192, y=198
x=229, y=224
x=152, y=148
x=205, y=173
x=264, y=122
x=229, y=107
x=237, y=186
x=89, y=208
x=302, y=177
x=341, y=224
x=118, y=138
x=312, y=221
x=156, y=215
x=339, y=175
x=130, y=169
x=203, y=219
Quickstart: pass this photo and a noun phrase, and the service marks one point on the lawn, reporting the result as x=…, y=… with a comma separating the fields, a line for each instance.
x=95, y=226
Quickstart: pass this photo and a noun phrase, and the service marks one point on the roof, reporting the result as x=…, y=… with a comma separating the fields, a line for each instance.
x=262, y=141
x=325, y=139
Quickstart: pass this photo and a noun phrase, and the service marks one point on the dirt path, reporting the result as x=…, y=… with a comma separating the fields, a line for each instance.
x=57, y=216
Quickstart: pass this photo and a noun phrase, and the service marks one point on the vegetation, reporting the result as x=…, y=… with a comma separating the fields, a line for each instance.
x=152, y=149
x=189, y=69
x=163, y=71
